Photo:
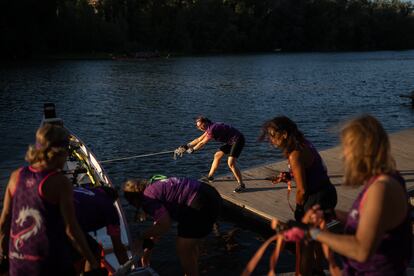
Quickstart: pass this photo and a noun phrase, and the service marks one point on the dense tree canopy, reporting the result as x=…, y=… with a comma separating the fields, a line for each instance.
x=30, y=27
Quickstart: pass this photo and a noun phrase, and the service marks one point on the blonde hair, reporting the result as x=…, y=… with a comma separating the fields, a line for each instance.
x=52, y=142
x=367, y=150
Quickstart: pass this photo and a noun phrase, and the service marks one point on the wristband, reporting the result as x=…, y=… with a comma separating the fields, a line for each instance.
x=147, y=244
x=314, y=233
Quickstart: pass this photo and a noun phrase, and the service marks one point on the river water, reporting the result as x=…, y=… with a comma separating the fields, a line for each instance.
x=125, y=108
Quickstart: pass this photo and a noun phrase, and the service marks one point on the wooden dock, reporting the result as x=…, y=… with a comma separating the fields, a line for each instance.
x=264, y=200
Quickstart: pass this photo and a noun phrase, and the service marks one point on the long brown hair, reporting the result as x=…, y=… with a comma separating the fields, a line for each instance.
x=295, y=138
x=367, y=150
x=52, y=141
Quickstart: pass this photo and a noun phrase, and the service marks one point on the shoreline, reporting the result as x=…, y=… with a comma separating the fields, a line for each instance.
x=154, y=55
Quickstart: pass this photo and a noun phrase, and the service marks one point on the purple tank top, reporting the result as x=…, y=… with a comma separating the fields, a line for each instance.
x=223, y=133
x=168, y=195
x=316, y=174
x=394, y=251
x=38, y=243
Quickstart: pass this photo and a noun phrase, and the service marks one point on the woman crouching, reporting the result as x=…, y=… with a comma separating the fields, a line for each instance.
x=193, y=204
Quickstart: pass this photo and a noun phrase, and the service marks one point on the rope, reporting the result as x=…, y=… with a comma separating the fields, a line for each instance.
x=279, y=244
x=279, y=239
x=138, y=156
x=278, y=179
x=256, y=258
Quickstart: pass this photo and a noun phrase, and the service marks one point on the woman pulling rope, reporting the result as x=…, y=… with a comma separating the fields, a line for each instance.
x=307, y=169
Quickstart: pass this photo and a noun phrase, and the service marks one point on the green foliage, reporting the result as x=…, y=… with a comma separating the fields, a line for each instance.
x=30, y=27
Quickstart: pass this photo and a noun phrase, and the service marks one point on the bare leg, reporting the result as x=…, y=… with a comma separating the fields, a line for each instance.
x=188, y=251
x=217, y=158
x=234, y=169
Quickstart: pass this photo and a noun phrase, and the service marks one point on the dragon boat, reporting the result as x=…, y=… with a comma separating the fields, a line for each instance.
x=84, y=170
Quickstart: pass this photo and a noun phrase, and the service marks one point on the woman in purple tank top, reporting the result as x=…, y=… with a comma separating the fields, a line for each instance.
x=377, y=238
x=194, y=205
x=307, y=169
x=38, y=215
x=233, y=144
x=306, y=166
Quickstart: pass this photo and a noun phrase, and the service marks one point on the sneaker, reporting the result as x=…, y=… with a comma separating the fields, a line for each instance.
x=239, y=189
x=208, y=179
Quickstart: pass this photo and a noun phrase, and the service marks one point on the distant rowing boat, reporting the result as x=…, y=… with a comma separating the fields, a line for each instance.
x=83, y=169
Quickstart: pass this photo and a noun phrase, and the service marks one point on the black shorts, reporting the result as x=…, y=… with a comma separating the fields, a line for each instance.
x=196, y=221
x=326, y=198
x=235, y=149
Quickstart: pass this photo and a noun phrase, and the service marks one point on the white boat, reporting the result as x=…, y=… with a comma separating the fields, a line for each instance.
x=83, y=169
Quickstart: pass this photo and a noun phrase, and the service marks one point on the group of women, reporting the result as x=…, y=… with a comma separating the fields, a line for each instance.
x=377, y=229
x=377, y=238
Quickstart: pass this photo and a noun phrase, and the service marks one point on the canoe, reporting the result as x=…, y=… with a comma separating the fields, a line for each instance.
x=83, y=169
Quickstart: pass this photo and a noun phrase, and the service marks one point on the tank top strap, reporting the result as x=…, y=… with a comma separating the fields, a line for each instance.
x=364, y=195
x=40, y=190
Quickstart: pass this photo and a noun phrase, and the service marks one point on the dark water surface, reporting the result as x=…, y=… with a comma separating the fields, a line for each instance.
x=124, y=108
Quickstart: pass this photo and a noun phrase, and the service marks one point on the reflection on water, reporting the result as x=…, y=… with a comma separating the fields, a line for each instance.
x=124, y=108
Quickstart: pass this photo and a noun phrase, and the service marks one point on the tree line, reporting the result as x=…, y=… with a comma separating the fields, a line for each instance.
x=31, y=27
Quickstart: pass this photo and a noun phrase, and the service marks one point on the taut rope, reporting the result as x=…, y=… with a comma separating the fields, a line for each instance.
x=138, y=156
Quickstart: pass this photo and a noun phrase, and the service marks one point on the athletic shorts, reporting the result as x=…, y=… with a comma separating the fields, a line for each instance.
x=326, y=198
x=235, y=149
x=196, y=221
